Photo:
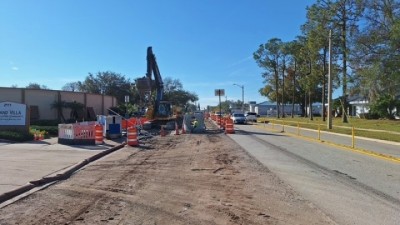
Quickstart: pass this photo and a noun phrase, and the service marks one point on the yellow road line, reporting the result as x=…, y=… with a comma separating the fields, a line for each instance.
x=343, y=147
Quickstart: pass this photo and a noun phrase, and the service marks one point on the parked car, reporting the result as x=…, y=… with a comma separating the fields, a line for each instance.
x=238, y=118
x=251, y=116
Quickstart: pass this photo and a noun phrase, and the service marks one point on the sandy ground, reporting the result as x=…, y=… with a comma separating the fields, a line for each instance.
x=178, y=179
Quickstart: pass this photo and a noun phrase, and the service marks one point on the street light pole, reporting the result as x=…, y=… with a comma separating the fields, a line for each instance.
x=242, y=87
x=329, y=125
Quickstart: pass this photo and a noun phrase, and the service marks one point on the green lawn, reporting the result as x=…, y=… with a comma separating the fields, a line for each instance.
x=379, y=129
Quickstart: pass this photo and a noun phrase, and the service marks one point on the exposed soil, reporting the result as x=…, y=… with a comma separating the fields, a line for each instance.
x=177, y=179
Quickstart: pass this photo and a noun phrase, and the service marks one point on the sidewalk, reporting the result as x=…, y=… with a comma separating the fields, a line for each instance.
x=24, y=162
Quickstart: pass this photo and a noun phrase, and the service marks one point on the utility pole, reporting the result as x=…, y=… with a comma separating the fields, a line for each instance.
x=242, y=87
x=329, y=122
x=219, y=92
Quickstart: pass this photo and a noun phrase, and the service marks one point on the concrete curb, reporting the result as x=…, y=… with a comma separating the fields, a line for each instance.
x=61, y=176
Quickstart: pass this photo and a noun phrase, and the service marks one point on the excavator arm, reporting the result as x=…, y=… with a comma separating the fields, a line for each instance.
x=152, y=68
x=161, y=109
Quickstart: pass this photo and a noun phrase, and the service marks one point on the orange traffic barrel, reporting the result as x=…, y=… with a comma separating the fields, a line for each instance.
x=98, y=134
x=132, y=139
x=229, y=126
x=223, y=122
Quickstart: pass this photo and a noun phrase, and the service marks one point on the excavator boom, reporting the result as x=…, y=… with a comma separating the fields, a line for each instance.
x=159, y=109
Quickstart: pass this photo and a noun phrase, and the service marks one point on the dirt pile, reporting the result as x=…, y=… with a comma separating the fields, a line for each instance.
x=177, y=179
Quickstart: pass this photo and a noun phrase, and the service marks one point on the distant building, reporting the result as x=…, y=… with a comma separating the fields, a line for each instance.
x=265, y=108
x=252, y=106
x=268, y=108
x=39, y=102
x=359, y=105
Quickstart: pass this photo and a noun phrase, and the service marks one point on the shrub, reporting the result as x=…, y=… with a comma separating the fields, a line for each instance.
x=16, y=136
x=46, y=130
x=384, y=106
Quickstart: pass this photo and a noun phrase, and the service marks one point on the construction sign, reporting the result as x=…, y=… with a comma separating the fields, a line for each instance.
x=219, y=92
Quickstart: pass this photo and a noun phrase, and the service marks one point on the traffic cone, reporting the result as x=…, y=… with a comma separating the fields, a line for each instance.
x=162, y=131
x=176, y=129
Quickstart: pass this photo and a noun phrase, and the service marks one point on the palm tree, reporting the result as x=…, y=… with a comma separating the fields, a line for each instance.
x=76, y=110
x=59, y=105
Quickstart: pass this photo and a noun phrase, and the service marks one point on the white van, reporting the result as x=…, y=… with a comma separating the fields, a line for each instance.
x=251, y=116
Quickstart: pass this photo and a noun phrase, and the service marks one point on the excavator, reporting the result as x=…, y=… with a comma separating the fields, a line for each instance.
x=158, y=110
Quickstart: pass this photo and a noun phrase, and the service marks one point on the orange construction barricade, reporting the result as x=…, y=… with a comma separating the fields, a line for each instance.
x=132, y=139
x=98, y=134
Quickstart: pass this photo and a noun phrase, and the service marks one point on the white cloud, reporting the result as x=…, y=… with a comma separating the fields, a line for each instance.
x=248, y=58
x=14, y=68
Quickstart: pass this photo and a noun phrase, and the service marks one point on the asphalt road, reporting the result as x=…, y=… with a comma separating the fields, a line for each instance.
x=351, y=187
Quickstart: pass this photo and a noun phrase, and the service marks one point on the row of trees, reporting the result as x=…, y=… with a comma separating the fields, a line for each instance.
x=115, y=84
x=227, y=105
x=365, y=56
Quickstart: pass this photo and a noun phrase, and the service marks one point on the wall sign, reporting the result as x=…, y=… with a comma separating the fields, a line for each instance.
x=12, y=113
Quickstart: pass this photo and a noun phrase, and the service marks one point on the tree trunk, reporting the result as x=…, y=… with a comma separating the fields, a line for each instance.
x=310, y=106
x=283, y=88
x=277, y=92
x=324, y=87
x=294, y=87
x=305, y=105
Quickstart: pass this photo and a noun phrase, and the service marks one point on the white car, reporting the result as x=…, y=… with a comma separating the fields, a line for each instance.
x=238, y=118
x=251, y=116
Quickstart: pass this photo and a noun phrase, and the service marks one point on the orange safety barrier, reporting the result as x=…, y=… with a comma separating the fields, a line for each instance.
x=229, y=129
x=83, y=131
x=98, y=134
x=78, y=133
x=132, y=122
x=132, y=139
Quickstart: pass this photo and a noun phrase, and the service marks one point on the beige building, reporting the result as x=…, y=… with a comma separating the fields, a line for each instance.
x=39, y=102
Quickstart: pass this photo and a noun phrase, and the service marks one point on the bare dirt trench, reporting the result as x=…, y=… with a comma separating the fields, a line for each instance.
x=177, y=179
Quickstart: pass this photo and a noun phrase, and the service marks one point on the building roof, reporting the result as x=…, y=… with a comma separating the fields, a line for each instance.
x=266, y=103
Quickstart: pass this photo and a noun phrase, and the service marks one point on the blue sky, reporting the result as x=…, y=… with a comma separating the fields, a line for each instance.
x=206, y=44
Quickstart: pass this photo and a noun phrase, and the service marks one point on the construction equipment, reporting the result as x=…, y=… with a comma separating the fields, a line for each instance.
x=158, y=110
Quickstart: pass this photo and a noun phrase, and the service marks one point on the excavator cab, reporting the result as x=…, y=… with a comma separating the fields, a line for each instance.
x=164, y=109
x=163, y=112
